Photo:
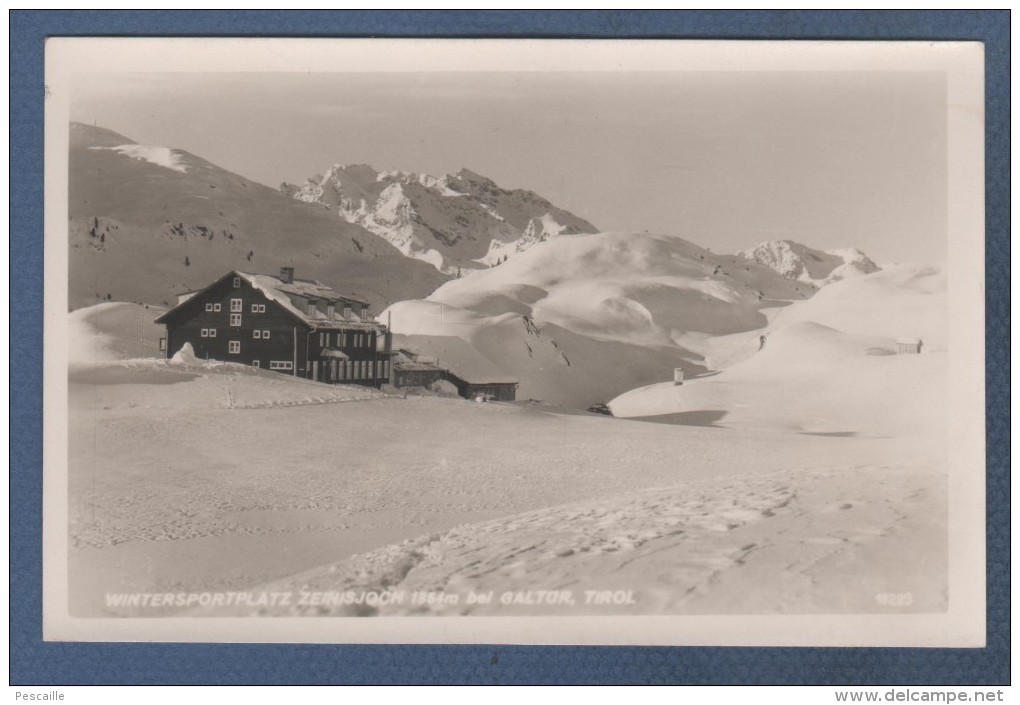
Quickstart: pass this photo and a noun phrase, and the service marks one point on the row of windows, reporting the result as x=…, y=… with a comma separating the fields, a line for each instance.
x=235, y=345
x=236, y=305
x=358, y=340
x=356, y=369
x=331, y=310
x=279, y=364
x=325, y=339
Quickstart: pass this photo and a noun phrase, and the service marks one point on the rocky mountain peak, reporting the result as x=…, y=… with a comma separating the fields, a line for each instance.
x=458, y=222
x=794, y=260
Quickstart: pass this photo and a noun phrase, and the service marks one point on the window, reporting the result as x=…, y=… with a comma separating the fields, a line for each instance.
x=322, y=339
x=162, y=344
x=257, y=333
x=258, y=308
x=212, y=332
x=347, y=311
x=208, y=307
x=365, y=314
x=256, y=363
x=217, y=307
x=235, y=305
x=205, y=332
x=330, y=310
x=281, y=365
x=371, y=370
x=234, y=347
x=235, y=319
x=237, y=282
x=265, y=335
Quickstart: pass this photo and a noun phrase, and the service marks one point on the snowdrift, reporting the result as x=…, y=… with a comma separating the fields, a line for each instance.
x=829, y=365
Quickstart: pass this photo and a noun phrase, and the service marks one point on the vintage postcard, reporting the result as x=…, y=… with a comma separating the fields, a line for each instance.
x=514, y=341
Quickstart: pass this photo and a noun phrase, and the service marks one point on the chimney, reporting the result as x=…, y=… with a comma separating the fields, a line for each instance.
x=287, y=275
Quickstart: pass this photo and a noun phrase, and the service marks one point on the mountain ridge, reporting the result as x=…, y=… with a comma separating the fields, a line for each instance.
x=795, y=260
x=146, y=223
x=459, y=221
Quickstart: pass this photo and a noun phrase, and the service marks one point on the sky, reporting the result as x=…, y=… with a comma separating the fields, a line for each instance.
x=723, y=159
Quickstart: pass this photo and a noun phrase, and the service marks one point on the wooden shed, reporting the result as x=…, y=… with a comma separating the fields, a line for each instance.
x=908, y=346
x=411, y=370
x=474, y=375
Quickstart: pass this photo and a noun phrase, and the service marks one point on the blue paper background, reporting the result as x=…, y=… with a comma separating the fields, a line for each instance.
x=33, y=661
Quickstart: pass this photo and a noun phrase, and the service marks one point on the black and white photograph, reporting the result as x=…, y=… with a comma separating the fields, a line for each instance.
x=514, y=341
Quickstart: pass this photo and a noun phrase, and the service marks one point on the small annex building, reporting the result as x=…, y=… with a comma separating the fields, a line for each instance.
x=461, y=364
x=908, y=346
x=412, y=370
x=293, y=326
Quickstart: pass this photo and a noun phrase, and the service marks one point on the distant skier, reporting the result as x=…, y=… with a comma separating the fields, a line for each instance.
x=761, y=342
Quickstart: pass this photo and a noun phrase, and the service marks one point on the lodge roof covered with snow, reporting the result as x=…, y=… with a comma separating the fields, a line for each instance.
x=308, y=300
x=456, y=355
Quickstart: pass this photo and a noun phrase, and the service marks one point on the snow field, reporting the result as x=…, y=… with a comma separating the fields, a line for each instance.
x=808, y=476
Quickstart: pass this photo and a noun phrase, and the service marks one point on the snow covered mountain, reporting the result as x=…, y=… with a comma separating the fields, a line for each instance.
x=796, y=261
x=459, y=221
x=148, y=222
x=581, y=319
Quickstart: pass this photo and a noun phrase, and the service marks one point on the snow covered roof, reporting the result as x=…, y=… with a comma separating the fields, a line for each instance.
x=456, y=355
x=908, y=341
x=295, y=296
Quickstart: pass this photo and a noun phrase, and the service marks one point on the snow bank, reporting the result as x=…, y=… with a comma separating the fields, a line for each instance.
x=160, y=156
x=185, y=356
x=828, y=365
x=113, y=331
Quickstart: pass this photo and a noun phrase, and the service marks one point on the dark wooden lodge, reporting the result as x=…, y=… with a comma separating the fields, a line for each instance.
x=293, y=326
